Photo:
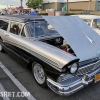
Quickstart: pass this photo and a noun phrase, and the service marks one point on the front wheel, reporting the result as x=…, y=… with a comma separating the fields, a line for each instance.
x=39, y=74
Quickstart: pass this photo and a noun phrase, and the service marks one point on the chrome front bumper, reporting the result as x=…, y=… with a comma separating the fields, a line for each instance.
x=70, y=86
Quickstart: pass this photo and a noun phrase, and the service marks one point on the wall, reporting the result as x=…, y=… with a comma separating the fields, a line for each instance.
x=81, y=5
x=97, y=7
x=72, y=5
x=95, y=13
x=50, y=5
x=59, y=6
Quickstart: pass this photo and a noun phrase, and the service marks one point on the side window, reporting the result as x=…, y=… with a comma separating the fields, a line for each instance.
x=30, y=29
x=23, y=32
x=88, y=21
x=15, y=28
x=98, y=23
x=39, y=29
x=94, y=24
x=4, y=24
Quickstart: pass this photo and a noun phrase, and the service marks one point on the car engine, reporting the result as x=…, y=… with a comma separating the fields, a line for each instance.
x=60, y=43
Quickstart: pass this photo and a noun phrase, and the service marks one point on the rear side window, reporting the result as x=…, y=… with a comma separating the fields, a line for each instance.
x=4, y=25
x=15, y=28
x=23, y=32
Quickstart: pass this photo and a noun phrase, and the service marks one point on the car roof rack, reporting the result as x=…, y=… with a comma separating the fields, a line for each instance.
x=21, y=18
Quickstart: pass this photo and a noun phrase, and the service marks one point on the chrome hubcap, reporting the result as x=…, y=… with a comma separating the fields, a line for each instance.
x=0, y=47
x=39, y=73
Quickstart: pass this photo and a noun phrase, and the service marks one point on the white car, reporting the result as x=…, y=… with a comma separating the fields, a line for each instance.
x=92, y=20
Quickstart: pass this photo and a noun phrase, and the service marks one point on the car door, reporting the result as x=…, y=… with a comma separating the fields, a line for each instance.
x=26, y=57
x=12, y=39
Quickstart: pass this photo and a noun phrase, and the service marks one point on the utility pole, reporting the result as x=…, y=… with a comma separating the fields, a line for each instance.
x=21, y=2
x=67, y=6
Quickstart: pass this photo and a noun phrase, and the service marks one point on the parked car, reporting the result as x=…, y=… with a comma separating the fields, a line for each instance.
x=63, y=55
x=92, y=20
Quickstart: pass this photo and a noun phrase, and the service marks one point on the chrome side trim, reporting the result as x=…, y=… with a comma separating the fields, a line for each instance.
x=48, y=61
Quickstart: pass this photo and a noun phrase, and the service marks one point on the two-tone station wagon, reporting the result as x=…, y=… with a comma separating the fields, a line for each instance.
x=63, y=55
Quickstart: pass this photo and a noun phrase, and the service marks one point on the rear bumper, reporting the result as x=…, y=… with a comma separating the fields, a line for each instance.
x=72, y=85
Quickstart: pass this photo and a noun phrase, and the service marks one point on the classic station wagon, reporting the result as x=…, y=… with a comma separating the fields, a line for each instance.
x=63, y=55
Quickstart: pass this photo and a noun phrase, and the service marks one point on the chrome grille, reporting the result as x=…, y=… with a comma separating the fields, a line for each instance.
x=97, y=65
x=88, y=68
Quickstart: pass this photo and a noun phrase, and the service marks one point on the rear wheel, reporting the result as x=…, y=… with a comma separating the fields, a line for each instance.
x=39, y=74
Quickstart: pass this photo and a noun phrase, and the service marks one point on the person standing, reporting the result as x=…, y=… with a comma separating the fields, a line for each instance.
x=33, y=13
x=4, y=12
x=15, y=13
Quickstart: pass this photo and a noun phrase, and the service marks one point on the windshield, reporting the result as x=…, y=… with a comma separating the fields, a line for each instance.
x=41, y=28
x=88, y=21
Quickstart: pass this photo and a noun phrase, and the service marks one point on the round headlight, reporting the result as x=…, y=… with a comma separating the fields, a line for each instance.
x=73, y=68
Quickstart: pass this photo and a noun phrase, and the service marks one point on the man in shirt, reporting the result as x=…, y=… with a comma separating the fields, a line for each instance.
x=33, y=13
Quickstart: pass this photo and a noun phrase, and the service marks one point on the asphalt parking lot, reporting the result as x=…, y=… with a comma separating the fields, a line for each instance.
x=25, y=78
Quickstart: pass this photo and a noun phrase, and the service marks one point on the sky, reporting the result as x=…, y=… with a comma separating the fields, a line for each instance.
x=5, y=3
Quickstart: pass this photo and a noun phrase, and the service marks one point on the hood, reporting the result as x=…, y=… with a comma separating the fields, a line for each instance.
x=84, y=40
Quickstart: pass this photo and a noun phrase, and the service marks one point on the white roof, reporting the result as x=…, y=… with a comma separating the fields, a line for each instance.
x=84, y=40
x=88, y=16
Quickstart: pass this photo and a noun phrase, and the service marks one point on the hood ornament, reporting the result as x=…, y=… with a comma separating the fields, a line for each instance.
x=89, y=39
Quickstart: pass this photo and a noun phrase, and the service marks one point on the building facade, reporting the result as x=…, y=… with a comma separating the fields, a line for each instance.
x=93, y=5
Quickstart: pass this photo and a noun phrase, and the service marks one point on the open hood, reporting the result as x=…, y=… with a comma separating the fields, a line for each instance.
x=84, y=40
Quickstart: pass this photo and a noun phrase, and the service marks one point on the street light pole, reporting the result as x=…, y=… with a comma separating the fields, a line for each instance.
x=21, y=2
x=67, y=6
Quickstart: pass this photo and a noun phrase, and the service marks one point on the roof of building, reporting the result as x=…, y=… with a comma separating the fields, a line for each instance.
x=64, y=1
x=21, y=18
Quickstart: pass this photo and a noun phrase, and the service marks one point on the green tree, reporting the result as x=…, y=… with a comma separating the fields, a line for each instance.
x=34, y=4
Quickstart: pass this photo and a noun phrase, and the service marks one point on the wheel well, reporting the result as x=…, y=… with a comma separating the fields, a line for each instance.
x=29, y=65
x=34, y=60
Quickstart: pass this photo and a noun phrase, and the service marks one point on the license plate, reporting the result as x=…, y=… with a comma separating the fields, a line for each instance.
x=97, y=78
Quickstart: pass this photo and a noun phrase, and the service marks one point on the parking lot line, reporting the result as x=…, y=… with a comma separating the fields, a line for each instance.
x=16, y=82
x=3, y=90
